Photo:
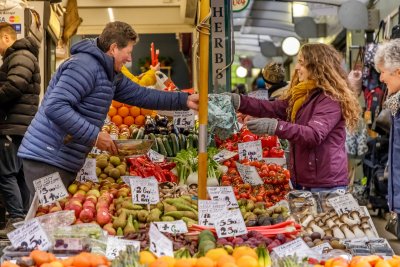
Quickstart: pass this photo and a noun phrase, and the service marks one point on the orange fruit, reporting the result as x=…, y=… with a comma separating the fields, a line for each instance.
x=383, y=263
x=216, y=253
x=169, y=260
x=145, y=112
x=123, y=112
x=134, y=111
x=67, y=262
x=116, y=104
x=146, y=257
x=229, y=264
x=9, y=264
x=393, y=262
x=205, y=262
x=56, y=264
x=239, y=252
x=183, y=263
x=247, y=261
x=82, y=260
x=225, y=259
x=159, y=263
x=112, y=111
x=139, y=120
x=126, y=105
x=117, y=120
x=129, y=120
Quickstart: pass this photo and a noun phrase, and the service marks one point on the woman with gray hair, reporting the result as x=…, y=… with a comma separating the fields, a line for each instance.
x=387, y=62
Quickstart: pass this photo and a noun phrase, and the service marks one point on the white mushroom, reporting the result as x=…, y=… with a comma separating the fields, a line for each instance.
x=364, y=219
x=365, y=225
x=347, y=232
x=316, y=228
x=330, y=223
x=337, y=232
x=347, y=220
x=338, y=222
x=368, y=232
x=328, y=232
x=357, y=231
x=355, y=215
x=306, y=220
x=309, y=230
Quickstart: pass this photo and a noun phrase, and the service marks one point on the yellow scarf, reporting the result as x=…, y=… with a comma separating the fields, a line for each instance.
x=299, y=94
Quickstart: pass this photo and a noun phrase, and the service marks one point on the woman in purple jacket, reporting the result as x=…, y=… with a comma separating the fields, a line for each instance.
x=312, y=115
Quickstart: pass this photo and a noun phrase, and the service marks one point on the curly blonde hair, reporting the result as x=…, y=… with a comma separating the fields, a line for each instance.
x=323, y=63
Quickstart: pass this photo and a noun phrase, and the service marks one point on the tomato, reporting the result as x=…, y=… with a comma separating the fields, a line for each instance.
x=271, y=173
x=225, y=183
x=269, y=141
x=276, y=152
x=286, y=173
x=244, y=195
x=249, y=138
x=259, y=198
x=265, y=153
x=227, y=163
x=232, y=171
x=264, y=167
x=247, y=186
x=244, y=161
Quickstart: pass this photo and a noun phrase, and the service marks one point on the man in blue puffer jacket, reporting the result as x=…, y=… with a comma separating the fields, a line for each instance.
x=76, y=102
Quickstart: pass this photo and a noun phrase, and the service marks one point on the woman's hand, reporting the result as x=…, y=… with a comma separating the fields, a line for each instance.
x=104, y=142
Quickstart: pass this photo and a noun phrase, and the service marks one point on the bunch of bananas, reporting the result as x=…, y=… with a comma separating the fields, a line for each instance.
x=182, y=253
x=264, y=260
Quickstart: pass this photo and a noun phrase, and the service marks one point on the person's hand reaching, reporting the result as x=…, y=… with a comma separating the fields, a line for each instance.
x=262, y=126
x=104, y=142
x=193, y=102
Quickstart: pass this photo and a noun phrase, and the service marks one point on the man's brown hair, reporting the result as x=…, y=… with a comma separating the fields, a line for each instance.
x=9, y=29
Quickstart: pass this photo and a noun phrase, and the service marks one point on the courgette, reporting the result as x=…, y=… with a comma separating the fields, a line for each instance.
x=195, y=141
x=175, y=143
x=140, y=134
x=189, y=141
x=167, y=147
x=161, y=147
x=155, y=145
x=182, y=141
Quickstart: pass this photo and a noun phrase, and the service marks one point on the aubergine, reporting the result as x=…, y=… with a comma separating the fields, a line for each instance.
x=161, y=121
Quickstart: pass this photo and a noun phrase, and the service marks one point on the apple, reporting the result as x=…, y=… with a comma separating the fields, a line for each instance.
x=93, y=192
x=114, y=192
x=72, y=188
x=124, y=192
x=39, y=213
x=103, y=216
x=43, y=209
x=76, y=207
x=55, y=209
x=89, y=204
x=86, y=215
x=102, y=204
x=92, y=199
x=79, y=195
x=84, y=187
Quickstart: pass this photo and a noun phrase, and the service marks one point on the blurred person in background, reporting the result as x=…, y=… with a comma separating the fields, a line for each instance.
x=274, y=78
x=19, y=100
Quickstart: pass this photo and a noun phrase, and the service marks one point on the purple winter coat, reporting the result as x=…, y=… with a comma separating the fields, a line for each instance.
x=317, y=140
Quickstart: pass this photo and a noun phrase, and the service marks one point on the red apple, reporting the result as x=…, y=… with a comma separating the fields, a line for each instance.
x=79, y=195
x=93, y=192
x=75, y=207
x=102, y=204
x=103, y=216
x=86, y=215
x=92, y=199
x=89, y=204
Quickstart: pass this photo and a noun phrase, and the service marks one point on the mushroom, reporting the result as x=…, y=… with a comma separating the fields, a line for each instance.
x=355, y=215
x=357, y=231
x=328, y=232
x=368, y=232
x=338, y=222
x=330, y=223
x=318, y=221
x=347, y=220
x=364, y=219
x=347, y=232
x=337, y=232
x=316, y=228
x=334, y=217
x=306, y=220
x=309, y=230
x=364, y=225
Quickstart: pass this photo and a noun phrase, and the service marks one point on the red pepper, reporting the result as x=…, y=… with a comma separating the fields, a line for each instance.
x=276, y=152
x=269, y=141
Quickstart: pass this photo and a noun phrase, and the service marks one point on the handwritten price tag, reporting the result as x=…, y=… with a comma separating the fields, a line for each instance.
x=144, y=190
x=155, y=156
x=297, y=246
x=50, y=188
x=223, y=194
x=88, y=171
x=344, y=204
x=230, y=224
x=95, y=151
x=224, y=155
x=250, y=150
x=208, y=210
x=175, y=227
x=322, y=248
x=249, y=174
x=30, y=235
x=115, y=245
x=159, y=243
x=127, y=178
x=184, y=119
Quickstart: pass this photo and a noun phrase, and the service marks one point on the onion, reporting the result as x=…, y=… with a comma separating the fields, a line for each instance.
x=193, y=178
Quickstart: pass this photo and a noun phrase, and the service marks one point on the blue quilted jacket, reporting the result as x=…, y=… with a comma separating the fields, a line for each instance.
x=76, y=103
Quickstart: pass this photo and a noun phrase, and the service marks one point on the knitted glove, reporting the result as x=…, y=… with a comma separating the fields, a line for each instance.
x=262, y=126
x=235, y=100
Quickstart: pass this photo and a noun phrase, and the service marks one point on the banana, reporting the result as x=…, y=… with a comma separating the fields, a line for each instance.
x=228, y=249
x=267, y=258
x=178, y=254
x=260, y=255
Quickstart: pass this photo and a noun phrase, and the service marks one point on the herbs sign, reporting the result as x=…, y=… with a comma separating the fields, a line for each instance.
x=88, y=171
x=144, y=190
x=250, y=150
x=50, y=188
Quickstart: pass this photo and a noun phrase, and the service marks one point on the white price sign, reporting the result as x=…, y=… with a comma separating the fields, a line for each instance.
x=144, y=190
x=250, y=150
x=115, y=245
x=184, y=119
x=344, y=204
x=50, y=188
x=223, y=194
x=127, y=178
x=88, y=171
x=209, y=210
x=249, y=174
x=230, y=224
x=297, y=246
x=30, y=235
x=175, y=227
x=154, y=156
x=160, y=245
x=224, y=155
x=95, y=151
x=322, y=248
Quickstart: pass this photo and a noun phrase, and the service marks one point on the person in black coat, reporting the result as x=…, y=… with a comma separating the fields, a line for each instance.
x=19, y=100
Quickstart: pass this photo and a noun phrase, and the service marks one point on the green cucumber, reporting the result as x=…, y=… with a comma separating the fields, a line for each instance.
x=161, y=147
x=175, y=143
x=167, y=147
x=155, y=145
x=140, y=134
x=182, y=141
x=195, y=141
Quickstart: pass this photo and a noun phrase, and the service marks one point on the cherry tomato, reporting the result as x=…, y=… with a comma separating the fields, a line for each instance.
x=276, y=152
x=272, y=174
x=248, y=138
x=227, y=163
x=286, y=173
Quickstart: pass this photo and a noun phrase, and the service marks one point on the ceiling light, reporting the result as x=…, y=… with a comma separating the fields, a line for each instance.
x=290, y=46
x=111, y=14
x=241, y=72
x=300, y=10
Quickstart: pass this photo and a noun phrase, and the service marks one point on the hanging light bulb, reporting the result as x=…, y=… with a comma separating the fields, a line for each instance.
x=241, y=72
x=290, y=46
